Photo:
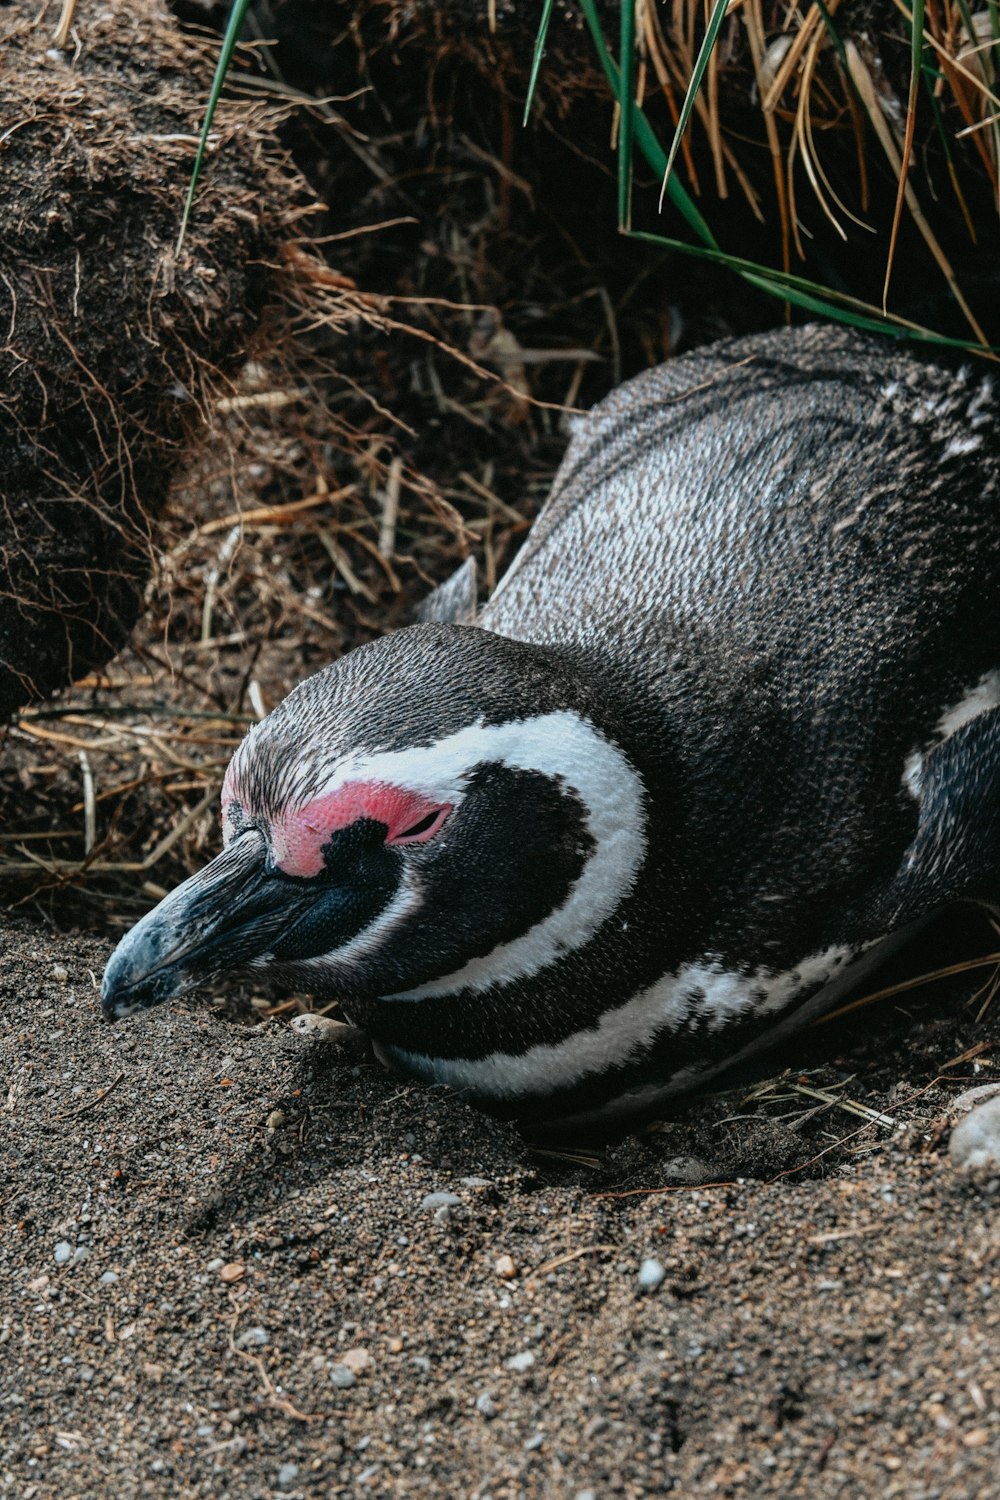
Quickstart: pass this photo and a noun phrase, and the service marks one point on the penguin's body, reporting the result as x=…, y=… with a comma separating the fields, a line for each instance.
x=730, y=723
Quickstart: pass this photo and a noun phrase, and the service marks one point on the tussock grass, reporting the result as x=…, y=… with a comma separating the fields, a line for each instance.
x=812, y=82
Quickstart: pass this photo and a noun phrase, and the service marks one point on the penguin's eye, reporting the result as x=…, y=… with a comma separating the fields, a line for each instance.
x=425, y=828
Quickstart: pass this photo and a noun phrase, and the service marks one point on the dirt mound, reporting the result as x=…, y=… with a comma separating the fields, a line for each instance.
x=112, y=341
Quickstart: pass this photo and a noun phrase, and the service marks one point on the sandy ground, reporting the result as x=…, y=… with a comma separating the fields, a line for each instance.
x=221, y=1276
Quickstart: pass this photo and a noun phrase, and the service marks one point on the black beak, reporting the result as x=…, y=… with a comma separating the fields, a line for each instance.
x=230, y=913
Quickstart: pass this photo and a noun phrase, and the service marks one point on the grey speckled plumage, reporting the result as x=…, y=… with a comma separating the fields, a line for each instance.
x=795, y=540
x=728, y=725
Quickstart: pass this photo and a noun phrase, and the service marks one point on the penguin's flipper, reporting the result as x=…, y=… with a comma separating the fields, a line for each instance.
x=454, y=601
x=955, y=854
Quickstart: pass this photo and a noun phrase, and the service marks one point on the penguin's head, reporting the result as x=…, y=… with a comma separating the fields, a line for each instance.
x=441, y=811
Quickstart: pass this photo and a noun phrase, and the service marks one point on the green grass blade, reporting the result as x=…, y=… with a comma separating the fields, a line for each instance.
x=645, y=137
x=536, y=61
x=229, y=41
x=712, y=30
x=627, y=107
x=832, y=32
x=916, y=69
x=808, y=295
x=811, y=297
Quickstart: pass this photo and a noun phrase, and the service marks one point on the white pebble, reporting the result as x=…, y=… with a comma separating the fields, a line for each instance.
x=287, y=1475
x=521, y=1362
x=357, y=1361
x=687, y=1169
x=341, y=1377
x=651, y=1274
x=63, y=1252
x=59, y=974
x=253, y=1338
x=969, y=1097
x=486, y=1406
x=322, y=1028
x=975, y=1141
x=439, y=1200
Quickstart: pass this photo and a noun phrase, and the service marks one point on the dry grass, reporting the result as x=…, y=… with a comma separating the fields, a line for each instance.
x=373, y=440
x=821, y=82
x=297, y=531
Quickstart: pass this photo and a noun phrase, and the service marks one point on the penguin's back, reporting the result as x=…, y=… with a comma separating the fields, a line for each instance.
x=824, y=501
x=784, y=553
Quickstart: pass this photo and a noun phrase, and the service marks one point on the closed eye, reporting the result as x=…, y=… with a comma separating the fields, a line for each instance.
x=422, y=830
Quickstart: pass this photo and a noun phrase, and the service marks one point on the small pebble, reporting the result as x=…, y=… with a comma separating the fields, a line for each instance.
x=276, y=1119
x=585, y=1495
x=975, y=1141
x=534, y=1443
x=63, y=1252
x=969, y=1097
x=394, y=1345
x=687, y=1169
x=59, y=974
x=252, y=1338
x=504, y=1267
x=651, y=1274
x=233, y=1270
x=287, y=1475
x=434, y=1201
x=357, y=1361
x=108, y=1278
x=341, y=1377
x=521, y=1362
x=476, y=1182
x=486, y=1406
x=322, y=1028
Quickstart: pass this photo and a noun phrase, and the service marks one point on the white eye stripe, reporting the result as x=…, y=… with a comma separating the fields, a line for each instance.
x=561, y=745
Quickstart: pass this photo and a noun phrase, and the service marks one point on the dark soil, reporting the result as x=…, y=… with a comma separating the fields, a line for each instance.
x=112, y=343
x=203, y=1221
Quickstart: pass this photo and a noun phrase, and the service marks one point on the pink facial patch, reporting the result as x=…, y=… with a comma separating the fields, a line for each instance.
x=299, y=835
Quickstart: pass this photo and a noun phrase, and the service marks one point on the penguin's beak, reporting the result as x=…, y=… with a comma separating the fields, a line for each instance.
x=221, y=919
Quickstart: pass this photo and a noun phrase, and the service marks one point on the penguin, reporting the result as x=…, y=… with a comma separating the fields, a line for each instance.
x=727, y=730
